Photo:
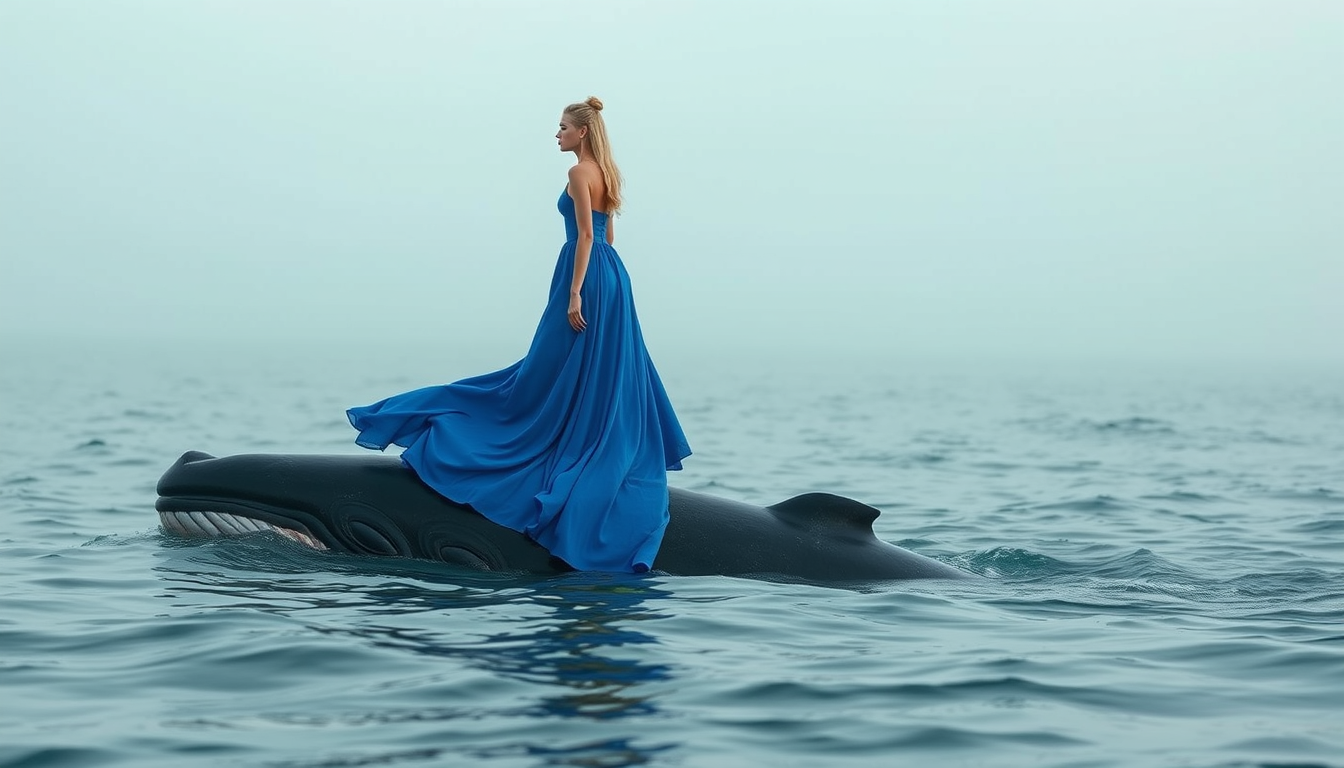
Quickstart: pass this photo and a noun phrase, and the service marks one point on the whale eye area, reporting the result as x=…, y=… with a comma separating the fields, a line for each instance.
x=370, y=539
x=462, y=557
x=366, y=530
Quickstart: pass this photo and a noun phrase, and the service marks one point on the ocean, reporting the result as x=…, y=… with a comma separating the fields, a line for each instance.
x=1161, y=546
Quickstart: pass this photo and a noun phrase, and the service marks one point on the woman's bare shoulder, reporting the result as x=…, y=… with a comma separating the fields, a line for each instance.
x=584, y=172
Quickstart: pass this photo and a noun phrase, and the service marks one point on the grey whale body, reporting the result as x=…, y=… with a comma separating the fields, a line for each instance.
x=373, y=505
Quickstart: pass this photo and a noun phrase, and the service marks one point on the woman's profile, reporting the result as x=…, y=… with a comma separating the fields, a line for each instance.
x=570, y=445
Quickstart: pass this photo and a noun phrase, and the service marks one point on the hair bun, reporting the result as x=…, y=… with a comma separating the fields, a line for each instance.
x=594, y=102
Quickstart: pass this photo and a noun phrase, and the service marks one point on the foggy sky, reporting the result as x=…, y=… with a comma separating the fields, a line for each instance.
x=1157, y=180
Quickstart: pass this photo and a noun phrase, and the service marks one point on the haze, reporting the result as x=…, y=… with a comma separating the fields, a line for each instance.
x=1146, y=180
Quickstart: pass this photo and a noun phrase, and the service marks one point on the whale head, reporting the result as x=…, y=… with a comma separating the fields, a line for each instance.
x=366, y=505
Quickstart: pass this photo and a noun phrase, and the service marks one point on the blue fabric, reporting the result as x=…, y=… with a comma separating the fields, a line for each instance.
x=570, y=445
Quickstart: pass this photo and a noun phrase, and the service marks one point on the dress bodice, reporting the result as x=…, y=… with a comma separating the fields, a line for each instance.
x=566, y=206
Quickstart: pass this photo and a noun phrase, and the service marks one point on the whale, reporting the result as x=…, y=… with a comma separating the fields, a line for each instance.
x=373, y=505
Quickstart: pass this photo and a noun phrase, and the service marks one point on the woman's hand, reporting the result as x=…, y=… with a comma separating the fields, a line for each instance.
x=576, y=320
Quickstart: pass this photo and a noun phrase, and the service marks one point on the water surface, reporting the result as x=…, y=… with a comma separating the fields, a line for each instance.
x=1163, y=553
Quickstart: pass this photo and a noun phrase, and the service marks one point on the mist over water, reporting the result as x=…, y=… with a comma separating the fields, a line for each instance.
x=1135, y=180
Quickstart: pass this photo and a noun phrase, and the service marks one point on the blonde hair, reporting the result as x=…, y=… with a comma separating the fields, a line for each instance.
x=588, y=114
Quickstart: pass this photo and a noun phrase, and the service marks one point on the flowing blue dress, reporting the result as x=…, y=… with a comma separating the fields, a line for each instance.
x=570, y=445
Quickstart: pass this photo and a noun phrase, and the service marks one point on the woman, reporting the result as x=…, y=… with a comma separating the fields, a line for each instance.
x=570, y=445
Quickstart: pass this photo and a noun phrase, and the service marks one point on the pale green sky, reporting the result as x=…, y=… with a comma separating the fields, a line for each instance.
x=983, y=178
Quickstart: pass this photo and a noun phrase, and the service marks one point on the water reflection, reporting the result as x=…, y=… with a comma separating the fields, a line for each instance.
x=591, y=616
x=570, y=637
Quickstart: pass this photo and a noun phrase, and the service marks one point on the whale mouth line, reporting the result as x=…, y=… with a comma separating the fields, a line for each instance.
x=201, y=517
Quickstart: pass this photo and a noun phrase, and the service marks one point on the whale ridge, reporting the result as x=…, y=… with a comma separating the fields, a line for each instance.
x=821, y=510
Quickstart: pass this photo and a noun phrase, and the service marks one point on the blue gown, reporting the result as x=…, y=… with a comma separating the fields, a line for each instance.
x=570, y=445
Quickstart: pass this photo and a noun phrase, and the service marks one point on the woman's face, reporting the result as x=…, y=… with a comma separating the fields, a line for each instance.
x=568, y=135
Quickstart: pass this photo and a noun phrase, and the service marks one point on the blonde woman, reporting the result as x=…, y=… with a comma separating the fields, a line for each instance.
x=570, y=445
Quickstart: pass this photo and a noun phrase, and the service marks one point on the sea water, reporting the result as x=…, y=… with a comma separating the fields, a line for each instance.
x=1161, y=546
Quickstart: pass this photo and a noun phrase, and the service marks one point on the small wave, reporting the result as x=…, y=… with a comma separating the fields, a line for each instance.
x=1012, y=562
x=1139, y=571
x=1060, y=425
x=1186, y=497
x=133, y=462
x=995, y=466
x=1302, y=582
x=68, y=470
x=1076, y=466
x=1279, y=745
x=141, y=414
x=1319, y=527
x=1143, y=565
x=1260, y=436
x=1099, y=503
x=1135, y=425
x=1000, y=688
x=57, y=756
x=601, y=752
x=133, y=539
x=1316, y=496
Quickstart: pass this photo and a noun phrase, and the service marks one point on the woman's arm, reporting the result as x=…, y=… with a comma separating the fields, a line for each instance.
x=583, y=213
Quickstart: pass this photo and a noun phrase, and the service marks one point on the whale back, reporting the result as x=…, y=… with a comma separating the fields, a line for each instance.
x=372, y=505
x=815, y=537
